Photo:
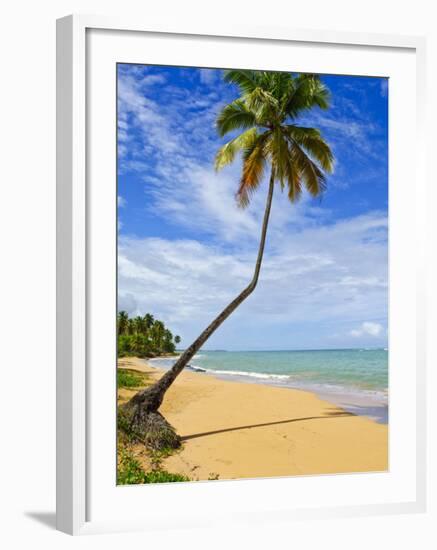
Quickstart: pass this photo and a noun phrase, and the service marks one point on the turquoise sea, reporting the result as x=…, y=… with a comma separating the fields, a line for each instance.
x=356, y=379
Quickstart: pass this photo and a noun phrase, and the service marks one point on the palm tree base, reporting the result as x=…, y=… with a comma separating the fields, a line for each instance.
x=147, y=426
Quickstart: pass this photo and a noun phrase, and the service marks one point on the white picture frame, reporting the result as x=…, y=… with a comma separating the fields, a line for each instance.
x=74, y=460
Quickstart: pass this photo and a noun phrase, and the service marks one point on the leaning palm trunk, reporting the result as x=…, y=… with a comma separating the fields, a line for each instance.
x=266, y=112
x=140, y=416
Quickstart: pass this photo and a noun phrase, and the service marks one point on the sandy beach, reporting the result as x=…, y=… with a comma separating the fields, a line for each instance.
x=242, y=430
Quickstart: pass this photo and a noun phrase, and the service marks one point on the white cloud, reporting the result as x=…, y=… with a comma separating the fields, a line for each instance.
x=144, y=115
x=121, y=201
x=208, y=76
x=152, y=79
x=164, y=127
x=314, y=271
x=368, y=328
x=384, y=87
x=197, y=198
x=321, y=274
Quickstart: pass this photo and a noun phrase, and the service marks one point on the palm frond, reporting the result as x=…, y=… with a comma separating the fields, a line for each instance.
x=263, y=104
x=246, y=80
x=278, y=151
x=284, y=165
x=282, y=85
x=294, y=181
x=313, y=178
x=235, y=116
x=226, y=154
x=308, y=92
x=314, y=144
x=254, y=159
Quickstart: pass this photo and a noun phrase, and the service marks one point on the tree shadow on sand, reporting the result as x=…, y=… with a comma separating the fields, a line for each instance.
x=331, y=413
x=377, y=413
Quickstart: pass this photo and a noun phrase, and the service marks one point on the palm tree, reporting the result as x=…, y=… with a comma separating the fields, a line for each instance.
x=168, y=344
x=177, y=339
x=148, y=320
x=157, y=334
x=140, y=326
x=137, y=343
x=123, y=318
x=131, y=329
x=266, y=113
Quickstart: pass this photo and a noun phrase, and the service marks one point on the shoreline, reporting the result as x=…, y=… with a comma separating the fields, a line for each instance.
x=365, y=403
x=232, y=429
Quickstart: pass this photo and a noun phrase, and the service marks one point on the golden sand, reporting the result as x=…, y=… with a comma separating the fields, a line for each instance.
x=246, y=430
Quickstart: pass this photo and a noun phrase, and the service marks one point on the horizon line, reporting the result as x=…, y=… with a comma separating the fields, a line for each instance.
x=365, y=348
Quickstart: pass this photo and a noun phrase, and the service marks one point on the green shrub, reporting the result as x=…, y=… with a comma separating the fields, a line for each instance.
x=130, y=379
x=129, y=470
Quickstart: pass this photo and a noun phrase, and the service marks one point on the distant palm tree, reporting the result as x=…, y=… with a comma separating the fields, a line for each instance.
x=266, y=114
x=123, y=318
x=131, y=328
x=140, y=325
x=158, y=331
x=177, y=339
x=137, y=343
x=168, y=345
x=148, y=320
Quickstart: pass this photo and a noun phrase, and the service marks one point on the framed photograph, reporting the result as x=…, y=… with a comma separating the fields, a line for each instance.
x=241, y=301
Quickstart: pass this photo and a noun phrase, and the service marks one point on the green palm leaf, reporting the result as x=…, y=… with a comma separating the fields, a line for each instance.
x=235, y=116
x=226, y=154
x=310, y=173
x=308, y=93
x=246, y=80
x=254, y=160
x=311, y=140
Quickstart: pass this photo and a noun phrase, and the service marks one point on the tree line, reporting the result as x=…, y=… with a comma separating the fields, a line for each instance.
x=144, y=336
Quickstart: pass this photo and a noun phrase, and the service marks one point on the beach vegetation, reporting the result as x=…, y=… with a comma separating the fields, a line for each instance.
x=144, y=336
x=131, y=379
x=130, y=471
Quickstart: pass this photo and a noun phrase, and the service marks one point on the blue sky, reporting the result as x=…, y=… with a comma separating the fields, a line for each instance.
x=185, y=249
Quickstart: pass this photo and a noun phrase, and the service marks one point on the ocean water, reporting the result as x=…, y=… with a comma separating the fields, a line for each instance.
x=355, y=379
